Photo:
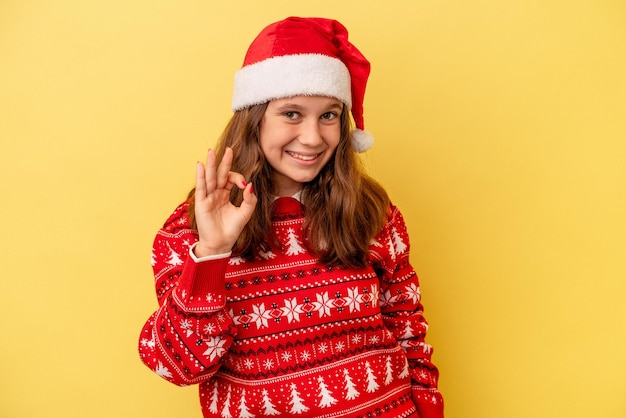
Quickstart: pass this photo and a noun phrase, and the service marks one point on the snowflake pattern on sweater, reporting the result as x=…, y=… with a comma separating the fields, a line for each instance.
x=285, y=335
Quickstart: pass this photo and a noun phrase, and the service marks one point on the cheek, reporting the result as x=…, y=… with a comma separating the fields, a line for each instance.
x=266, y=141
x=333, y=136
x=274, y=136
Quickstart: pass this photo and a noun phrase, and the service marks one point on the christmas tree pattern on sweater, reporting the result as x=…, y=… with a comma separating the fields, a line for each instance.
x=284, y=335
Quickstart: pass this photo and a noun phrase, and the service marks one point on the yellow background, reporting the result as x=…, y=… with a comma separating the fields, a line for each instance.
x=500, y=130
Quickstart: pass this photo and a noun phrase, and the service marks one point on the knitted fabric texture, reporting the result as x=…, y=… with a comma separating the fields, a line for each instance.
x=285, y=335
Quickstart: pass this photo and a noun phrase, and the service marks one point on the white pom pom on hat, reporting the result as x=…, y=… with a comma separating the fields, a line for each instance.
x=305, y=56
x=361, y=140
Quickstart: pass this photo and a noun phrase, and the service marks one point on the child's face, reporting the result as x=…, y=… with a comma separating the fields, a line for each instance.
x=298, y=136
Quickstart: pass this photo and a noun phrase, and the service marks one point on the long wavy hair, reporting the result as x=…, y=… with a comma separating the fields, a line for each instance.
x=344, y=207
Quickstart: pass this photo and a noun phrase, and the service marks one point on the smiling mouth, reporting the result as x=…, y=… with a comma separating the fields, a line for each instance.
x=303, y=157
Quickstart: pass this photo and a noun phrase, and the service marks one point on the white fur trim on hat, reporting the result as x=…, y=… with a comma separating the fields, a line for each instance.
x=361, y=140
x=292, y=75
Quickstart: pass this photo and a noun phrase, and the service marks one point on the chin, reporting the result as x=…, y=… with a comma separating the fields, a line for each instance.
x=307, y=179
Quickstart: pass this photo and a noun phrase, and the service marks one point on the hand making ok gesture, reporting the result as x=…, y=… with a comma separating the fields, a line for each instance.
x=219, y=222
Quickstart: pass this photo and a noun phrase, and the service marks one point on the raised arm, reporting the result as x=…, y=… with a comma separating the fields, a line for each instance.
x=186, y=338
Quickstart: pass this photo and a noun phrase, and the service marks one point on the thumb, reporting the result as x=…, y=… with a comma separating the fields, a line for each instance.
x=249, y=201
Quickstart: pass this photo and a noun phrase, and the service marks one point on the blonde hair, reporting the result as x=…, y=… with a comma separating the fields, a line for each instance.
x=344, y=207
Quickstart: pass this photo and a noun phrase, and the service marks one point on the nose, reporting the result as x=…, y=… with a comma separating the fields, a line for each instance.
x=310, y=134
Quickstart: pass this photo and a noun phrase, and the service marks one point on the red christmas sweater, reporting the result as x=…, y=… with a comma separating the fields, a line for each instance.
x=286, y=335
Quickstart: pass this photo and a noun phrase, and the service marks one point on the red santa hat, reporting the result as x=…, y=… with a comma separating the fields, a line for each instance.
x=305, y=56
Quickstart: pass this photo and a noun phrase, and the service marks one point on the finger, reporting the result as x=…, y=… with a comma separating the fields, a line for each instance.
x=209, y=172
x=224, y=168
x=200, y=182
x=249, y=202
x=235, y=179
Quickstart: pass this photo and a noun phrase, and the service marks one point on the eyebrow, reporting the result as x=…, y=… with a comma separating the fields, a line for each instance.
x=295, y=106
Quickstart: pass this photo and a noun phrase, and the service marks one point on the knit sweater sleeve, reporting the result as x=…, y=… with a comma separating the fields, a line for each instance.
x=185, y=339
x=403, y=313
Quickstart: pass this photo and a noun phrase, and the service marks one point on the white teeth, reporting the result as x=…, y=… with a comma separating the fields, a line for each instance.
x=302, y=157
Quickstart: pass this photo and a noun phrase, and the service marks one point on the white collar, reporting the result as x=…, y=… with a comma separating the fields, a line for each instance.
x=296, y=196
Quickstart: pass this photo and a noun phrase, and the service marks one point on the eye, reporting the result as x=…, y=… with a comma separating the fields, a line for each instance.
x=329, y=115
x=291, y=115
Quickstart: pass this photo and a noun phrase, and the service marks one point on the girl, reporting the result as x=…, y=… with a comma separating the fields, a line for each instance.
x=284, y=281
